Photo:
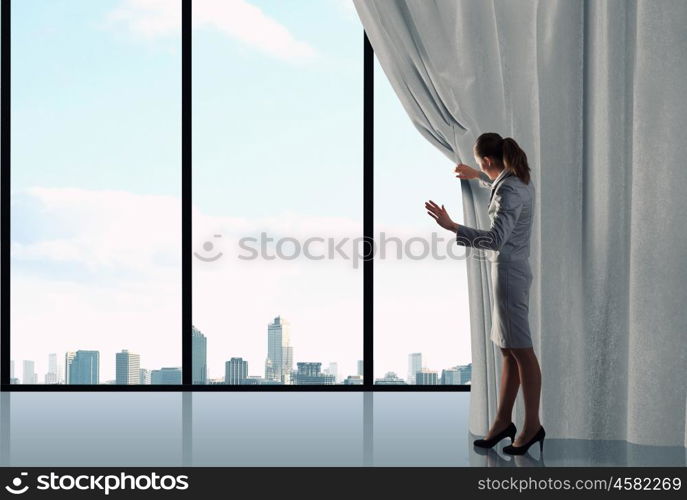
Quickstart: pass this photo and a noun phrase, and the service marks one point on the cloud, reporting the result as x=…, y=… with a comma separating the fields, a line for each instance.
x=237, y=19
x=148, y=18
x=106, y=231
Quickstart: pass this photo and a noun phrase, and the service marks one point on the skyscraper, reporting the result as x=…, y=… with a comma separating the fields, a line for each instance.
x=128, y=368
x=426, y=377
x=235, y=371
x=13, y=379
x=166, y=376
x=52, y=376
x=83, y=367
x=414, y=366
x=279, y=351
x=270, y=370
x=309, y=374
x=465, y=373
x=333, y=370
x=288, y=363
x=353, y=380
x=450, y=376
x=200, y=357
x=28, y=375
x=390, y=378
x=145, y=376
x=361, y=367
x=68, y=359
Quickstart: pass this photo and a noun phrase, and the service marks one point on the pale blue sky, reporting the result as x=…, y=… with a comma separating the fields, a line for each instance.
x=91, y=106
x=272, y=133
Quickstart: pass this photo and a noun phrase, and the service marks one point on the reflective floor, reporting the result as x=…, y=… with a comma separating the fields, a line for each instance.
x=273, y=429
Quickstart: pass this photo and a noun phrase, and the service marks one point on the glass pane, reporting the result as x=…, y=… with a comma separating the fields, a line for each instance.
x=277, y=182
x=96, y=171
x=421, y=324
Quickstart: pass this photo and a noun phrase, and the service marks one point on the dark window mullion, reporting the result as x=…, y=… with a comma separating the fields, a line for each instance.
x=368, y=212
x=186, y=193
x=5, y=257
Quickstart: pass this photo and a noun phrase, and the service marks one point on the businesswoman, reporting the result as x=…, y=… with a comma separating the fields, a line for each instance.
x=505, y=171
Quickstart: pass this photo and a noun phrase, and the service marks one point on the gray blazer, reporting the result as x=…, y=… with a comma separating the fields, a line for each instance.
x=511, y=208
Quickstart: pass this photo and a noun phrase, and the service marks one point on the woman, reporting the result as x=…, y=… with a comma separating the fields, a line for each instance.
x=504, y=169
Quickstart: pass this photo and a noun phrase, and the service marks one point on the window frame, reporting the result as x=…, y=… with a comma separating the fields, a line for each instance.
x=186, y=243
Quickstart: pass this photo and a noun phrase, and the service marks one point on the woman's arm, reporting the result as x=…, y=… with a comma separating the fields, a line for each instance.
x=467, y=172
x=509, y=207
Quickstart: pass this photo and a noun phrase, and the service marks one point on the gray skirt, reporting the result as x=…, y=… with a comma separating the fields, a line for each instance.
x=511, y=282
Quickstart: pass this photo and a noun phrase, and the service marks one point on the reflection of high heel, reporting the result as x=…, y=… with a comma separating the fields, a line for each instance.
x=521, y=450
x=509, y=431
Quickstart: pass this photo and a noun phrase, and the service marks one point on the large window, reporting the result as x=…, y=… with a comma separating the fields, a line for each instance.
x=206, y=205
x=95, y=194
x=277, y=174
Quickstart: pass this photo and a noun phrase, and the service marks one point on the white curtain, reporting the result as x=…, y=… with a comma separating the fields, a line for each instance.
x=594, y=92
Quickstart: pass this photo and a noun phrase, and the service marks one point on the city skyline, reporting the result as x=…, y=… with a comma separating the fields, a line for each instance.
x=83, y=367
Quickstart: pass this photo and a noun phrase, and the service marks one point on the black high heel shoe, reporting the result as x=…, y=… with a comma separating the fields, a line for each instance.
x=509, y=431
x=521, y=450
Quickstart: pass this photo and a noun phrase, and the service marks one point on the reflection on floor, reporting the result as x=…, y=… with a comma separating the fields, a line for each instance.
x=273, y=429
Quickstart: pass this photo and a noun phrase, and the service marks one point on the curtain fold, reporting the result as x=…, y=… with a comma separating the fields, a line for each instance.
x=594, y=93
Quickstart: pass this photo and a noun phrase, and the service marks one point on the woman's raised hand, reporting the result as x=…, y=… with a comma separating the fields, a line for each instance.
x=466, y=172
x=440, y=215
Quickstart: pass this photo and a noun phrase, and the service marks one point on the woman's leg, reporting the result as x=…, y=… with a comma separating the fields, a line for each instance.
x=530, y=377
x=508, y=390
